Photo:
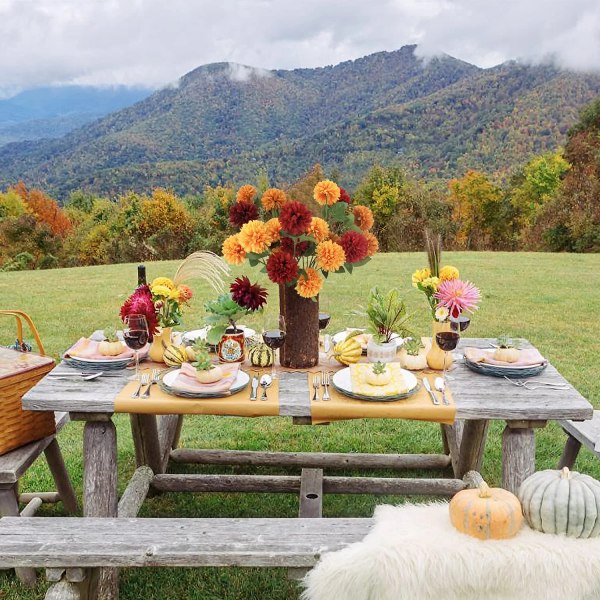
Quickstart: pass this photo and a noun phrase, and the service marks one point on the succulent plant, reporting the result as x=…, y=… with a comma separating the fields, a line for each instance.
x=413, y=346
x=504, y=341
x=379, y=368
x=203, y=360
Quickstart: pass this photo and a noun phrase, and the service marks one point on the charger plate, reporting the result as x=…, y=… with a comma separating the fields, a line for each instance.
x=342, y=382
x=502, y=371
x=168, y=379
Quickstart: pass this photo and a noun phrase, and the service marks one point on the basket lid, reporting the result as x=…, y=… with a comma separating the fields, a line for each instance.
x=13, y=362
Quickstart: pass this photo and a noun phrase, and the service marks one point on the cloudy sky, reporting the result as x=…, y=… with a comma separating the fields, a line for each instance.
x=154, y=42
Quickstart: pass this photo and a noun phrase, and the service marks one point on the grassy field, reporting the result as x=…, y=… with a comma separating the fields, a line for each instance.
x=551, y=299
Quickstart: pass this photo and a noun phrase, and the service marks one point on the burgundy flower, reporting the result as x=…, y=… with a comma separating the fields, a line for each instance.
x=287, y=245
x=355, y=245
x=295, y=218
x=345, y=196
x=282, y=267
x=140, y=303
x=248, y=295
x=242, y=212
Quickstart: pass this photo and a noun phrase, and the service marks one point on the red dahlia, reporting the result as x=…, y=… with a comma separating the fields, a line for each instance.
x=345, y=196
x=355, y=246
x=281, y=267
x=248, y=295
x=295, y=218
x=242, y=212
x=287, y=245
x=140, y=303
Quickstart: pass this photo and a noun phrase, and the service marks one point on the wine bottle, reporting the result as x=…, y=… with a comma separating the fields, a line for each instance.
x=141, y=275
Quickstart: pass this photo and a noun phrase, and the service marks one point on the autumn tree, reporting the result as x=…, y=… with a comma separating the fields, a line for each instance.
x=45, y=209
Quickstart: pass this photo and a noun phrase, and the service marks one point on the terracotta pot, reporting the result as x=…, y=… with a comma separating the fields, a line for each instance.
x=436, y=356
x=301, y=347
x=160, y=341
x=231, y=346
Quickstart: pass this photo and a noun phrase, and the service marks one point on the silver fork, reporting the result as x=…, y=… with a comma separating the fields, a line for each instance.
x=325, y=379
x=144, y=381
x=534, y=385
x=155, y=378
x=316, y=386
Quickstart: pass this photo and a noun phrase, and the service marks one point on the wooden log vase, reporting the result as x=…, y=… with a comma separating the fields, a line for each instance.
x=301, y=347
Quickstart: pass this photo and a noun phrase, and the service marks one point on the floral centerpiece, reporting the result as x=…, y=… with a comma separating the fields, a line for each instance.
x=298, y=250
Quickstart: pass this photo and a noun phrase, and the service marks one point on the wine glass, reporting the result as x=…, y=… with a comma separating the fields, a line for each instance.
x=274, y=336
x=460, y=323
x=447, y=341
x=136, y=336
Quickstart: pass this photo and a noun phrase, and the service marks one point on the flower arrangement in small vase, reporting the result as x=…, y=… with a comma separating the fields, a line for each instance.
x=449, y=298
x=298, y=250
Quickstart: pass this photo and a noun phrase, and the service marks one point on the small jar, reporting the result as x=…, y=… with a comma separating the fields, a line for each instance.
x=231, y=346
x=384, y=352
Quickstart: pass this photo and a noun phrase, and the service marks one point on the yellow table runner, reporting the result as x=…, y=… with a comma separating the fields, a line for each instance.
x=236, y=405
x=418, y=407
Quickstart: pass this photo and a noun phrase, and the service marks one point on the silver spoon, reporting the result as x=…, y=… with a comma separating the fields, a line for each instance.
x=265, y=382
x=440, y=386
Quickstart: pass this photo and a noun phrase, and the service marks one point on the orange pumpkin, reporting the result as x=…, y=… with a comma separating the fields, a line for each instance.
x=486, y=513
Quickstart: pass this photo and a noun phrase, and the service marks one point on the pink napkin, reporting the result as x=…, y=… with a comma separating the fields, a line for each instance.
x=186, y=379
x=528, y=358
x=86, y=348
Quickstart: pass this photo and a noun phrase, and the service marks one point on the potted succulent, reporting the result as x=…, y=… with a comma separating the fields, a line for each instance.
x=507, y=350
x=206, y=371
x=413, y=355
x=379, y=374
x=386, y=314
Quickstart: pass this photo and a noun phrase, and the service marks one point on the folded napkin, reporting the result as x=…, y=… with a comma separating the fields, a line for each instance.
x=86, y=348
x=527, y=358
x=397, y=385
x=186, y=380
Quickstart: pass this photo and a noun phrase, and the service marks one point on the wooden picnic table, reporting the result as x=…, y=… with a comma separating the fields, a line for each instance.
x=479, y=400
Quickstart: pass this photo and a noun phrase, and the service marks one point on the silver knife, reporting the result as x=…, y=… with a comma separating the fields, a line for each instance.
x=428, y=388
x=254, y=386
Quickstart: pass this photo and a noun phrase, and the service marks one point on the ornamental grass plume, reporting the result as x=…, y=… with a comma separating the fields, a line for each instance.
x=457, y=296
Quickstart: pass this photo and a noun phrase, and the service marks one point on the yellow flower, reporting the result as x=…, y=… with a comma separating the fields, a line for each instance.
x=431, y=283
x=161, y=290
x=448, y=273
x=373, y=243
x=273, y=199
x=326, y=192
x=363, y=217
x=330, y=256
x=419, y=275
x=273, y=228
x=309, y=285
x=319, y=229
x=246, y=194
x=163, y=281
x=233, y=252
x=174, y=295
x=254, y=237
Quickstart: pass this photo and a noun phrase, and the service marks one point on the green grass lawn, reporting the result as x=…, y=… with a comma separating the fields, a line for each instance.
x=551, y=299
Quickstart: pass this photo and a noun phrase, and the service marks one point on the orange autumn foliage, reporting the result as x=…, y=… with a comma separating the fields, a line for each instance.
x=45, y=209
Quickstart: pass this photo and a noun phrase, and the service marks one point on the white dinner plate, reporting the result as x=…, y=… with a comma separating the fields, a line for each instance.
x=342, y=381
x=189, y=337
x=168, y=381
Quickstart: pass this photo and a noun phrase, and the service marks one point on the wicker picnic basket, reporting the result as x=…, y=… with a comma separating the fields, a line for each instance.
x=20, y=370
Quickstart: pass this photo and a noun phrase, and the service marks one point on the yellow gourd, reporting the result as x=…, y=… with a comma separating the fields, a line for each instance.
x=486, y=513
x=174, y=355
x=347, y=352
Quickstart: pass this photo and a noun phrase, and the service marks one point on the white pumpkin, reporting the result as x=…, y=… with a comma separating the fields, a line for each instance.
x=413, y=362
x=210, y=375
x=378, y=375
x=107, y=348
x=562, y=502
x=509, y=355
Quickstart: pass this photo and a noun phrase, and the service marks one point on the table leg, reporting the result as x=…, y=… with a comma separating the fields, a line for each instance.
x=144, y=430
x=100, y=491
x=472, y=446
x=518, y=456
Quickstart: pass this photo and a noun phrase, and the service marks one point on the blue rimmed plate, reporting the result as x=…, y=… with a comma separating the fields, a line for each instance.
x=505, y=371
x=168, y=384
x=342, y=382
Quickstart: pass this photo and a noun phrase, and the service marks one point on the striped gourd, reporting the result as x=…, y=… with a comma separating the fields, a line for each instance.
x=174, y=355
x=260, y=355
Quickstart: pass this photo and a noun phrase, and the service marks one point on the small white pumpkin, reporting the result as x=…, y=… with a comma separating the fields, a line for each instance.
x=509, y=355
x=209, y=376
x=107, y=348
x=562, y=502
x=378, y=375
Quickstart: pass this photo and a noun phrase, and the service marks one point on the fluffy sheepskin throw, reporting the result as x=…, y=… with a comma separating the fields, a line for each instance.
x=414, y=553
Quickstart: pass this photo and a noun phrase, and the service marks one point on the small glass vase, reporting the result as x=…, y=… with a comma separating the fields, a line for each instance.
x=436, y=356
x=384, y=352
x=160, y=342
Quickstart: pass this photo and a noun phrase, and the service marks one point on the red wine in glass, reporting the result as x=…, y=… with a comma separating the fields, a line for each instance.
x=447, y=340
x=324, y=320
x=459, y=324
x=274, y=338
x=135, y=335
x=136, y=339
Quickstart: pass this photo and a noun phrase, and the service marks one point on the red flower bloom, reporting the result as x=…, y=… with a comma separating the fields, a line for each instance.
x=248, y=295
x=242, y=212
x=287, y=245
x=355, y=245
x=140, y=303
x=345, y=196
x=281, y=267
x=295, y=218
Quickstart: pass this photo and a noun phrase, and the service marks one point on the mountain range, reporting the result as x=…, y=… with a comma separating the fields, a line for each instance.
x=226, y=123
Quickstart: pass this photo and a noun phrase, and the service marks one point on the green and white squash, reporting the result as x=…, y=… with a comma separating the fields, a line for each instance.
x=562, y=502
x=174, y=355
x=260, y=355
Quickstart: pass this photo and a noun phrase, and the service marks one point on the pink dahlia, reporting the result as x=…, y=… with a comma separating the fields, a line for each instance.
x=457, y=295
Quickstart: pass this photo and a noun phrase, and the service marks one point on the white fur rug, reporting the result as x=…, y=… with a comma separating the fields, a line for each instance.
x=414, y=553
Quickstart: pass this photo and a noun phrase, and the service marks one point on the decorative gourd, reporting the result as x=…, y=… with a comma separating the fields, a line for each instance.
x=111, y=345
x=260, y=355
x=378, y=375
x=486, y=513
x=413, y=355
x=507, y=350
x=174, y=355
x=564, y=502
x=348, y=351
x=206, y=371
x=189, y=352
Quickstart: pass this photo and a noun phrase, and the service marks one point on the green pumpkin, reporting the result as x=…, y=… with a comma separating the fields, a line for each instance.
x=260, y=355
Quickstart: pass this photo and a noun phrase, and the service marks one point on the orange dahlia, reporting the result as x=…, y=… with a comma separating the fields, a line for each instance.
x=363, y=217
x=326, y=192
x=273, y=199
x=449, y=273
x=330, y=256
x=309, y=285
x=273, y=228
x=233, y=252
x=319, y=229
x=246, y=193
x=372, y=243
x=254, y=237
